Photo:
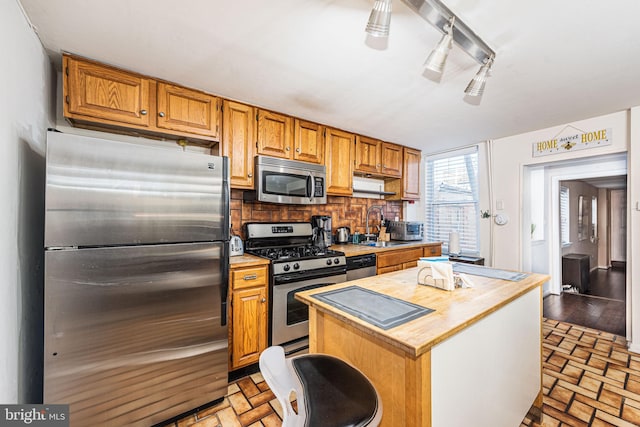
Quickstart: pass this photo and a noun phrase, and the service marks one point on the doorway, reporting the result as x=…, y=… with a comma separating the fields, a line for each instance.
x=592, y=220
x=597, y=180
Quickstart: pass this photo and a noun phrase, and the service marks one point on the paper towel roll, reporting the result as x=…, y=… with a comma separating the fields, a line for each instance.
x=454, y=243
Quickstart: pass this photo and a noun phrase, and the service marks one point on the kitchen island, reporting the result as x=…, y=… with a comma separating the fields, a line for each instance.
x=474, y=361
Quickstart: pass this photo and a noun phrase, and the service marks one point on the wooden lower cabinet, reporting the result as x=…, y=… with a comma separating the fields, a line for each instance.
x=402, y=259
x=248, y=327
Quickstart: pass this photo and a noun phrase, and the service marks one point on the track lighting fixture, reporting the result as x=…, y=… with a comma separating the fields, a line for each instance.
x=436, y=13
x=438, y=56
x=476, y=85
x=380, y=19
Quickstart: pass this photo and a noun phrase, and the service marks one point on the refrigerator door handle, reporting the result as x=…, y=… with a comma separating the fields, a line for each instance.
x=224, y=287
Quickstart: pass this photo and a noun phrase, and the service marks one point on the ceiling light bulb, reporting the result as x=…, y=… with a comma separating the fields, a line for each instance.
x=380, y=19
x=476, y=85
x=438, y=56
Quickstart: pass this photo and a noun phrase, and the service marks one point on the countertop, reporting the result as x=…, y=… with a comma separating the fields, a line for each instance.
x=247, y=260
x=349, y=249
x=454, y=311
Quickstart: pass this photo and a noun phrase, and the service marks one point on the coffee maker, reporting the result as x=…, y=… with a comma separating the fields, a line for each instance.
x=321, y=230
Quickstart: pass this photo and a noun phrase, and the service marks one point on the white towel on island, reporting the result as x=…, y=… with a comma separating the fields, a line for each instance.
x=437, y=274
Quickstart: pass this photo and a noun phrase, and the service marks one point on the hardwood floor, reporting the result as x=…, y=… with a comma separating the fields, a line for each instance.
x=603, y=307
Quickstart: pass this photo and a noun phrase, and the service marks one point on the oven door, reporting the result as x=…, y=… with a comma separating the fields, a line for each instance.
x=290, y=317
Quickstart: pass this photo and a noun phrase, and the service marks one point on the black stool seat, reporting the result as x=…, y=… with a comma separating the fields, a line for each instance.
x=337, y=394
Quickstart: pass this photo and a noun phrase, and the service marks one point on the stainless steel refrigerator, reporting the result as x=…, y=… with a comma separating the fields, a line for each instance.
x=136, y=269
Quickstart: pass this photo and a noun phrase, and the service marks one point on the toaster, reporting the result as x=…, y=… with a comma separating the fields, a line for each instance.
x=406, y=230
x=235, y=246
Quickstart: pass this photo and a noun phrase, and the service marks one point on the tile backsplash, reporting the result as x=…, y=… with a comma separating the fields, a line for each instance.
x=344, y=211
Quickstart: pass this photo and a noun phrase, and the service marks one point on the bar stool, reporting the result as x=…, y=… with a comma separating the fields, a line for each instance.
x=329, y=391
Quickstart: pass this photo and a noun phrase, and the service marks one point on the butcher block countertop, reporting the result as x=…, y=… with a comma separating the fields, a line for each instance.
x=454, y=310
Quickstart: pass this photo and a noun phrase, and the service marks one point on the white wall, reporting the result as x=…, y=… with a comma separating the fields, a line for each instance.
x=512, y=154
x=25, y=114
x=509, y=157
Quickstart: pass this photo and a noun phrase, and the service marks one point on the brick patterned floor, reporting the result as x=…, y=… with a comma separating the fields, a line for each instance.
x=589, y=379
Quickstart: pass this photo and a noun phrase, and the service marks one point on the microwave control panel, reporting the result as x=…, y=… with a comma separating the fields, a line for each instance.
x=319, y=187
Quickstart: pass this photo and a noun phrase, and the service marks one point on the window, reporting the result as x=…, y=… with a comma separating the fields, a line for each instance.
x=564, y=216
x=451, y=200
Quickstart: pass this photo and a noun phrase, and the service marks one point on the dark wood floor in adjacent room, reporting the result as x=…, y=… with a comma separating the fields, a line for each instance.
x=603, y=307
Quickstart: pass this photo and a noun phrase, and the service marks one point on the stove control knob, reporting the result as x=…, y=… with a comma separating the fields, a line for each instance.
x=296, y=266
x=286, y=267
x=328, y=261
x=336, y=261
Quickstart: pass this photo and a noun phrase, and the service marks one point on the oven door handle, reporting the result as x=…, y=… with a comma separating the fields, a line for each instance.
x=311, y=187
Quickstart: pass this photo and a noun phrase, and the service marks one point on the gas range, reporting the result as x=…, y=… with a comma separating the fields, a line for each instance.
x=289, y=247
x=296, y=265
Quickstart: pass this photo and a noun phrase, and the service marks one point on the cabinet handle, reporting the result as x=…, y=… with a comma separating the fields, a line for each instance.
x=287, y=148
x=143, y=112
x=297, y=150
x=378, y=165
x=161, y=114
x=263, y=300
x=249, y=175
x=251, y=277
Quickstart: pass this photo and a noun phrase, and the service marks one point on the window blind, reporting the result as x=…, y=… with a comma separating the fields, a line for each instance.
x=564, y=215
x=452, y=199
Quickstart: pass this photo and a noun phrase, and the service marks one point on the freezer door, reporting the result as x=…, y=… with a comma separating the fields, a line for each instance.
x=135, y=335
x=101, y=192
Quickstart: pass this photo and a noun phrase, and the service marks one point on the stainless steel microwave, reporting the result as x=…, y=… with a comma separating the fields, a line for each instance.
x=289, y=181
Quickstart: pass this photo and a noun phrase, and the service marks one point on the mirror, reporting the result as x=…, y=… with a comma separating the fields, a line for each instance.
x=583, y=218
x=594, y=220
x=581, y=223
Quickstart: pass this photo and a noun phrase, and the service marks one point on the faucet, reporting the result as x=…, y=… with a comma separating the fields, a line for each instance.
x=366, y=219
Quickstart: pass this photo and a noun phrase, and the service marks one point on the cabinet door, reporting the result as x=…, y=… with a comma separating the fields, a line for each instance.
x=249, y=335
x=339, y=152
x=411, y=174
x=309, y=142
x=238, y=142
x=274, y=134
x=103, y=94
x=185, y=110
x=391, y=159
x=368, y=159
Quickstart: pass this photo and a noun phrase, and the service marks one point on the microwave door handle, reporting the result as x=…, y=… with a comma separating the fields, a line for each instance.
x=311, y=187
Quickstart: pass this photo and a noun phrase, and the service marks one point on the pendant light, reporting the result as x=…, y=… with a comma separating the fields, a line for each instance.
x=476, y=85
x=438, y=56
x=380, y=19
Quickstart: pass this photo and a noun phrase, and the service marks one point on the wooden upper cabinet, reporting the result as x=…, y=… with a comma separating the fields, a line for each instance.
x=99, y=95
x=187, y=110
x=368, y=155
x=308, y=141
x=275, y=134
x=104, y=93
x=378, y=158
x=238, y=142
x=391, y=159
x=411, y=174
x=339, y=154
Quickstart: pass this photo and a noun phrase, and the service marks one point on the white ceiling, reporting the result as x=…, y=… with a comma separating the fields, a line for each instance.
x=556, y=61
